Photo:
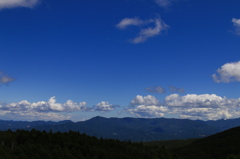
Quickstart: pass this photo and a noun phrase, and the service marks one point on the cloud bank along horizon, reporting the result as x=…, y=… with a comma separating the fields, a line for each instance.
x=205, y=106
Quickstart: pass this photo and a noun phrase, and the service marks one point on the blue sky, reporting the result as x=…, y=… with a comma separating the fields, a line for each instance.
x=138, y=58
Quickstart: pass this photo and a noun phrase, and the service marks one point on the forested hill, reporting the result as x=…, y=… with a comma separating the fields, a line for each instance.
x=23, y=144
x=223, y=145
x=134, y=129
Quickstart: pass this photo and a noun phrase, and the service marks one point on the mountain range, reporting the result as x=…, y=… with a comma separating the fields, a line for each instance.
x=134, y=129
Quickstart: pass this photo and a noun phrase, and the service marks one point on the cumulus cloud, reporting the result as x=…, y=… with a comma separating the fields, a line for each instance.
x=52, y=105
x=193, y=100
x=176, y=90
x=104, y=106
x=157, y=89
x=148, y=111
x=148, y=106
x=203, y=107
x=190, y=106
x=145, y=33
x=147, y=100
x=5, y=79
x=42, y=110
x=229, y=72
x=18, y=3
x=236, y=25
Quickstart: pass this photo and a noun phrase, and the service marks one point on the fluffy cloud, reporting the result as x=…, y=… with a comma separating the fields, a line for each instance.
x=191, y=106
x=177, y=90
x=147, y=100
x=50, y=110
x=229, y=72
x=193, y=100
x=148, y=111
x=236, y=24
x=17, y=3
x=145, y=33
x=203, y=107
x=5, y=79
x=148, y=106
x=157, y=89
x=104, y=106
x=51, y=105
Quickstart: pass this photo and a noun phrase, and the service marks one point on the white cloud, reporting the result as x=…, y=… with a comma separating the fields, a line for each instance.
x=236, y=24
x=193, y=100
x=17, y=3
x=147, y=100
x=164, y=3
x=50, y=110
x=229, y=72
x=145, y=33
x=157, y=89
x=150, y=31
x=129, y=21
x=207, y=113
x=204, y=107
x=51, y=105
x=148, y=111
x=191, y=106
x=148, y=106
x=105, y=106
x=5, y=79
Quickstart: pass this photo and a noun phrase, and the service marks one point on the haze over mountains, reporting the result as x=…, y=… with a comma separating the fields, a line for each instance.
x=134, y=129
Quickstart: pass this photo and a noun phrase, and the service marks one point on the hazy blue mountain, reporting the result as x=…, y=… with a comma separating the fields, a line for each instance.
x=137, y=129
x=10, y=124
x=134, y=129
x=224, y=124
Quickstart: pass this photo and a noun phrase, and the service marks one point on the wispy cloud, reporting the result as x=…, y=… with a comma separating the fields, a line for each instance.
x=229, y=72
x=150, y=31
x=145, y=33
x=236, y=25
x=176, y=90
x=191, y=106
x=164, y=3
x=5, y=79
x=18, y=3
x=156, y=89
x=129, y=21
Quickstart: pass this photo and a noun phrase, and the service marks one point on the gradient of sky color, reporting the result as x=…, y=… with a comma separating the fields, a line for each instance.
x=138, y=58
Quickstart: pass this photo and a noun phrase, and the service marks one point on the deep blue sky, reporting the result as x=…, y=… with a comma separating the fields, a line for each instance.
x=76, y=50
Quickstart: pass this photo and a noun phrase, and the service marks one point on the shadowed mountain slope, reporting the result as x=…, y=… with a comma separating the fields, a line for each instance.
x=218, y=146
